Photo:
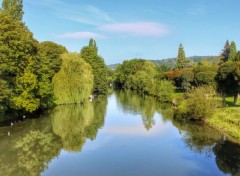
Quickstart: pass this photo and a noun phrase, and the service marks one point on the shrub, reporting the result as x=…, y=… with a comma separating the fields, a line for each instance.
x=200, y=104
x=164, y=91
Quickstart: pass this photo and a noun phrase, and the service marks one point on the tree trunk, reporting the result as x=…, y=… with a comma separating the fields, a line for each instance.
x=235, y=99
x=224, y=99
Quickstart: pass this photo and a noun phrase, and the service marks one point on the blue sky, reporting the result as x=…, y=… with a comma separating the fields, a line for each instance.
x=125, y=29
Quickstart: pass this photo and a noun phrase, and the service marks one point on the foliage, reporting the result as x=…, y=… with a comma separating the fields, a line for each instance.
x=18, y=52
x=13, y=8
x=228, y=78
x=182, y=62
x=199, y=104
x=183, y=79
x=73, y=83
x=204, y=74
x=90, y=55
x=143, y=77
x=232, y=51
x=225, y=52
x=50, y=63
x=164, y=91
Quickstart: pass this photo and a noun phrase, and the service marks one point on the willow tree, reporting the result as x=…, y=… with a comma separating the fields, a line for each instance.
x=74, y=82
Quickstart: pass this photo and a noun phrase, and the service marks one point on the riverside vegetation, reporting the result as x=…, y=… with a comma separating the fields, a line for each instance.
x=35, y=76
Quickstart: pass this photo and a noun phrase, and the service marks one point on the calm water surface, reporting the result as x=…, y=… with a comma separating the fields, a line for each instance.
x=121, y=135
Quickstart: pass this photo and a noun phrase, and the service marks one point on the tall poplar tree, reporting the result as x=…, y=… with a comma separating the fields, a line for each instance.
x=13, y=8
x=90, y=55
x=232, y=51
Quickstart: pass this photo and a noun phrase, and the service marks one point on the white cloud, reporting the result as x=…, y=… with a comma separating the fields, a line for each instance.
x=86, y=14
x=138, y=29
x=81, y=35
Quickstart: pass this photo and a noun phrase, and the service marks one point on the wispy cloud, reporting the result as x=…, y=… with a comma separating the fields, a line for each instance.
x=81, y=35
x=196, y=11
x=86, y=14
x=137, y=29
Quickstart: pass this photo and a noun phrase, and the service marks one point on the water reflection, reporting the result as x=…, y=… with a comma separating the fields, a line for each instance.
x=34, y=144
x=28, y=147
x=76, y=123
x=145, y=105
x=228, y=157
x=197, y=137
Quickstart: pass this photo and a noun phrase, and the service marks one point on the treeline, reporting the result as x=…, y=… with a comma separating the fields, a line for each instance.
x=37, y=75
x=145, y=77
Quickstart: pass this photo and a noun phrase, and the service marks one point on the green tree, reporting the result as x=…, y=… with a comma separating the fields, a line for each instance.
x=225, y=52
x=232, y=51
x=181, y=60
x=13, y=8
x=238, y=56
x=89, y=54
x=73, y=83
x=228, y=79
x=93, y=44
x=18, y=65
x=50, y=63
x=204, y=74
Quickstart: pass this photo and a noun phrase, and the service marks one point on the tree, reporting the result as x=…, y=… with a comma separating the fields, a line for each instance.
x=232, y=52
x=181, y=60
x=204, y=74
x=18, y=51
x=49, y=64
x=93, y=44
x=13, y=8
x=89, y=54
x=225, y=52
x=73, y=83
x=238, y=56
x=228, y=79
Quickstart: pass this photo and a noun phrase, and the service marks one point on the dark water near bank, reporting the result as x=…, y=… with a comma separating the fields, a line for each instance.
x=122, y=135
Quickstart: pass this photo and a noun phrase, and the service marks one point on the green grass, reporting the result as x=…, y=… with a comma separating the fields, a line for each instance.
x=227, y=120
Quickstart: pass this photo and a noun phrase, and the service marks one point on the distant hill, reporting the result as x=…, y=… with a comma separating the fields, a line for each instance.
x=113, y=66
x=170, y=63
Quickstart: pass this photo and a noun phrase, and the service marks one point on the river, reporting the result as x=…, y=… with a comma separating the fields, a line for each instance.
x=123, y=134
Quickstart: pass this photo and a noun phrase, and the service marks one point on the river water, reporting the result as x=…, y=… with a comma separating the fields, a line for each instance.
x=123, y=134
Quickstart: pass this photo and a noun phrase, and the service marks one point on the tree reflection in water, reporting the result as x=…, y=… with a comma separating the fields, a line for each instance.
x=33, y=144
x=76, y=123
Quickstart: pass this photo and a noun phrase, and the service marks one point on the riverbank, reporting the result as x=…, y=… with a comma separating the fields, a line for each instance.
x=226, y=120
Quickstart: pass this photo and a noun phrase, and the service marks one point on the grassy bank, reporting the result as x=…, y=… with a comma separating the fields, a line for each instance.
x=226, y=120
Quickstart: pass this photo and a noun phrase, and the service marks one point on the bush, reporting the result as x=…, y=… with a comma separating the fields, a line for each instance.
x=164, y=91
x=200, y=104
